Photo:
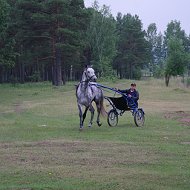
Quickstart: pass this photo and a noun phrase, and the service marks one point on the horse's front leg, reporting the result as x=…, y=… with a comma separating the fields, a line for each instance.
x=98, y=105
x=80, y=116
x=91, y=109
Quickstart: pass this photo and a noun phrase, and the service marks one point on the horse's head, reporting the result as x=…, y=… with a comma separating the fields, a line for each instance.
x=90, y=74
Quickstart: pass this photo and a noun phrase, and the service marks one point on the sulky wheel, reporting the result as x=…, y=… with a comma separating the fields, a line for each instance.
x=139, y=118
x=112, y=118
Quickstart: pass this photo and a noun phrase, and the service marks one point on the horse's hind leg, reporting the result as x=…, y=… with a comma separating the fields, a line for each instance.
x=84, y=114
x=91, y=109
x=98, y=105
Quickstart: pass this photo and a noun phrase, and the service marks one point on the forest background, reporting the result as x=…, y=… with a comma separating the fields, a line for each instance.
x=53, y=40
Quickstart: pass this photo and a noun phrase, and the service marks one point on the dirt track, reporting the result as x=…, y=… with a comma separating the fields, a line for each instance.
x=182, y=116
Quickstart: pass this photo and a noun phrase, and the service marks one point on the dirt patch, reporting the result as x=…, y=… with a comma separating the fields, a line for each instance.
x=18, y=108
x=23, y=106
x=181, y=116
x=72, y=155
x=185, y=143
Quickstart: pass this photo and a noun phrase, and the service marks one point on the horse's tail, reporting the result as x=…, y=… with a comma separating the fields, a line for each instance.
x=102, y=109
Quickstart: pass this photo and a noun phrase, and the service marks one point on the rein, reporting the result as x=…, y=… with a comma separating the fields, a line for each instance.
x=88, y=79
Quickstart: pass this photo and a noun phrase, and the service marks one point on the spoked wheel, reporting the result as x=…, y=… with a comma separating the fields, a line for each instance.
x=139, y=118
x=112, y=118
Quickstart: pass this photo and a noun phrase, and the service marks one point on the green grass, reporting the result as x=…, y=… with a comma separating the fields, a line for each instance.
x=41, y=146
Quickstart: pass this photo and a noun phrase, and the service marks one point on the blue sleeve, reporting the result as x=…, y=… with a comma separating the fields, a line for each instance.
x=122, y=91
x=136, y=97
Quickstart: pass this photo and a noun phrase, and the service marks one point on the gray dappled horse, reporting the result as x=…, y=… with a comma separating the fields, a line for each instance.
x=86, y=93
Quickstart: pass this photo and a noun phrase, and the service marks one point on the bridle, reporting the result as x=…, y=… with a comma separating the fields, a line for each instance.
x=88, y=79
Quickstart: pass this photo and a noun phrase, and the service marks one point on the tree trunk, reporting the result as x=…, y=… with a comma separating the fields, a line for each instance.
x=1, y=74
x=22, y=73
x=167, y=79
x=53, y=74
x=59, y=81
x=64, y=77
x=54, y=63
x=56, y=68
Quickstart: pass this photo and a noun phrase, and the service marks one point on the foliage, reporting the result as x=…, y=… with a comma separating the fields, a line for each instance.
x=158, y=72
x=176, y=60
x=152, y=39
x=56, y=38
x=3, y=14
x=176, y=50
x=101, y=39
x=174, y=30
x=7, y=54
x=47, y=35
x=132, y=46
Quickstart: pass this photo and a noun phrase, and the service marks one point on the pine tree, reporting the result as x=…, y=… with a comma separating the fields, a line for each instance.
x=64, y=30
x=48, y=37
x=132, y=47
x=101, y=39
x=7, y=53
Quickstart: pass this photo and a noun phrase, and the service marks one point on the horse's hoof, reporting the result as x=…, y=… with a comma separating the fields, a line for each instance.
x=81, y=128
x=99, y=124
x=90, y=125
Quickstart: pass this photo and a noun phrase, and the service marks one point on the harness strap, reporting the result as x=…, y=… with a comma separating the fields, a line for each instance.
x=88, y=79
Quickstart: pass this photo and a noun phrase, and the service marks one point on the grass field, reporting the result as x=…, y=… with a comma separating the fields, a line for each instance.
x=41, y=147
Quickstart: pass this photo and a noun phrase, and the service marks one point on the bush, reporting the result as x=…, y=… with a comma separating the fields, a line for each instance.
x=13, y=80
x=35, y=77
x=158, y=73
x=137, y=74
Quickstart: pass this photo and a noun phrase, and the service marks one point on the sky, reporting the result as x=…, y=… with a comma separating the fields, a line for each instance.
x=160, y=12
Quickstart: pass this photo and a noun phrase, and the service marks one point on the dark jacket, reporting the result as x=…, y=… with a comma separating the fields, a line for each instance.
x=134, y=94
